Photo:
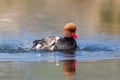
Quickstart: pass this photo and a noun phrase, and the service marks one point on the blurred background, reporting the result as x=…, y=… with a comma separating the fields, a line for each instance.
x=98, y=29
x=46, y=17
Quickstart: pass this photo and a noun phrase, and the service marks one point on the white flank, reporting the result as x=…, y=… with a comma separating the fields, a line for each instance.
x=38, y=46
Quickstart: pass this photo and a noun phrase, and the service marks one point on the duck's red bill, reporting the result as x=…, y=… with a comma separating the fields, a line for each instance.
x=74, y=35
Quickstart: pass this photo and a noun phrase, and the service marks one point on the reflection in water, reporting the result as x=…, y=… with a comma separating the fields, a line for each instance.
x=100, y=70
x=69, y=68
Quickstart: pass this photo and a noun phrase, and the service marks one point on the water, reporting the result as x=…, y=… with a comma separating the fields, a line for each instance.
x=98, y=28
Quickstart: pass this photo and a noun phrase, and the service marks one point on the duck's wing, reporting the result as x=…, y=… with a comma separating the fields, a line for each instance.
x=45, y=44
x=51, y=41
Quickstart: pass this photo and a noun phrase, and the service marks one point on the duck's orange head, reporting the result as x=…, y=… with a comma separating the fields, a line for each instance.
x=71, y=27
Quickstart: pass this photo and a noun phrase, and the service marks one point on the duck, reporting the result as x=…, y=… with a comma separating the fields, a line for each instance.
x=54, y=43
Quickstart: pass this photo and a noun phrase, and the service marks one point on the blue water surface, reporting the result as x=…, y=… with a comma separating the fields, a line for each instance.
x=92, y=47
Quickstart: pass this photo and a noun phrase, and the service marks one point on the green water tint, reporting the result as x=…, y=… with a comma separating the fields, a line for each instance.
x=50, y=16
x=95, y=70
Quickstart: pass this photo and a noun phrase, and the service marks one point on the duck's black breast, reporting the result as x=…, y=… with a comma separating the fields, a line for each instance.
x=66, y=43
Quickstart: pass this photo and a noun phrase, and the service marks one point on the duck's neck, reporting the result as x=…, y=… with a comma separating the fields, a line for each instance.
x=68, y=37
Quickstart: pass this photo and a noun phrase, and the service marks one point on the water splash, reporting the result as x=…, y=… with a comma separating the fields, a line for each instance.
x=18, y=46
